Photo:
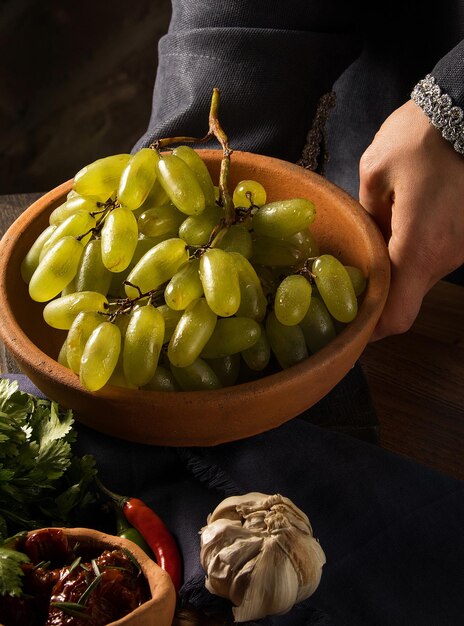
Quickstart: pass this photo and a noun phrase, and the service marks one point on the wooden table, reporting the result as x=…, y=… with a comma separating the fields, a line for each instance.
x=416, y=379
x=417, y=383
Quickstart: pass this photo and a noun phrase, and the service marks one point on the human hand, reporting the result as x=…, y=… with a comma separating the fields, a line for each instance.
x=412, y=183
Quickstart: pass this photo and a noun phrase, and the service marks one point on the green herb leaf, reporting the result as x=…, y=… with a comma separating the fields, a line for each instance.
x=95, y=582
x=42, y=483
x=14, y=409
x=74, y=564
x=54, y=427
x=11, y=572
x=96, y=569
x=71, y=608
x=132, y=559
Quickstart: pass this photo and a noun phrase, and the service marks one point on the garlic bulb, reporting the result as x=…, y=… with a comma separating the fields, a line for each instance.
x=258, y=550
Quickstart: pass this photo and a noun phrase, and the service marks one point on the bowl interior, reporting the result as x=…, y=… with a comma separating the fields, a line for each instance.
x=342, y=228
x=160, y=606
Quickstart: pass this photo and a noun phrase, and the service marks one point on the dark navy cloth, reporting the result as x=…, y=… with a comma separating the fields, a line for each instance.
x=273, y=59
x=391, y=529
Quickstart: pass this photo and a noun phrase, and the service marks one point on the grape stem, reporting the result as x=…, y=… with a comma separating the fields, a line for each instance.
x=305, y=270
x=215, y=130
x=110, y=205
x=125, y=305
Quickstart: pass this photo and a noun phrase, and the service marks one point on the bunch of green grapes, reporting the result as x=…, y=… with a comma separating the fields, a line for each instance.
x=159, y=287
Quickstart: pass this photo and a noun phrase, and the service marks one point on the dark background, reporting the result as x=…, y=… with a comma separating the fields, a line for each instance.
x=76, y=82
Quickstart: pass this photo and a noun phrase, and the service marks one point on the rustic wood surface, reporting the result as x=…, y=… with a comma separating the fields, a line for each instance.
x=417, y=383
x=415, y=379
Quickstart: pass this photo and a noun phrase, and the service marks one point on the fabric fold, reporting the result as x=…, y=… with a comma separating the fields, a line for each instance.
x=304, y=66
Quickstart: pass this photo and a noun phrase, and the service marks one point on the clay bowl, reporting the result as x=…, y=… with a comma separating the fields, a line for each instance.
x=342, y=228
x=159, y=609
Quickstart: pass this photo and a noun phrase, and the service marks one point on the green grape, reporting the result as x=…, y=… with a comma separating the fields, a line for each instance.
x=258, y=355
x=82, y=327
x=198, y=376
x=157, y=266
x=137, y=179
x=181, y=184
x=275, y=252
x=236, y=238
x=142, y=345
x=196, y=230
x=171, y=319
x=219, y=278
x=144, y=244
x=71, y=286
x=122, y=320
x=100, y=179
x=305, y=242
x=269, y=278
x=62, y=357
x=61, y=312
x=192, y=332
x=230, y=336
x=254, y=189
x=92, y=275
x=31, y=260
x=160, y=221
x=119, y=237
x=253, y=302
x=185, y=286
x=56, y=269
x=284, y=217
x=292, y=299
x=156, y=198
x=358, y=280
x=287, y=342
x=73, y=205
x=100, y=356
x=317, y=325
x=226, y=368
x=118, y=378
x=198, y=166
x=162, y=380
x=75, y=225
x=335, y=288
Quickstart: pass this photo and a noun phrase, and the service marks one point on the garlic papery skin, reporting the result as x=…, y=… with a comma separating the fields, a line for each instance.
x=258, y=551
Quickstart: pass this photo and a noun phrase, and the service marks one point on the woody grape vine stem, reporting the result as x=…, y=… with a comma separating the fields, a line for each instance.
x=215, y=130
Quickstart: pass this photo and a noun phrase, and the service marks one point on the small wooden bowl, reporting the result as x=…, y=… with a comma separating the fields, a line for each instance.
x=159, y=609
x=203, y=418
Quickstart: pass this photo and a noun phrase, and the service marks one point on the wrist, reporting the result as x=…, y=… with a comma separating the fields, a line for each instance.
x=439, y=108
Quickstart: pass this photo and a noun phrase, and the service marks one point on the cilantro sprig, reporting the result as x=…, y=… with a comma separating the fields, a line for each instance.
x=10, y=571
x=42, y=483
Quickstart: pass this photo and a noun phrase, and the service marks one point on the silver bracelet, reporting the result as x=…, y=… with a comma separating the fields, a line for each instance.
x=439, y=109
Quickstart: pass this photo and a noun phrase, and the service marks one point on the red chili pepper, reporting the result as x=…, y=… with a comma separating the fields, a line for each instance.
x=154, y=531
x=157, y=535
x=126, y=531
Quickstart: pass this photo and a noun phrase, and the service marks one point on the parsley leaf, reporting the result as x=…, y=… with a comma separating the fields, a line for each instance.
x=10, y=571
x=42, y=483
